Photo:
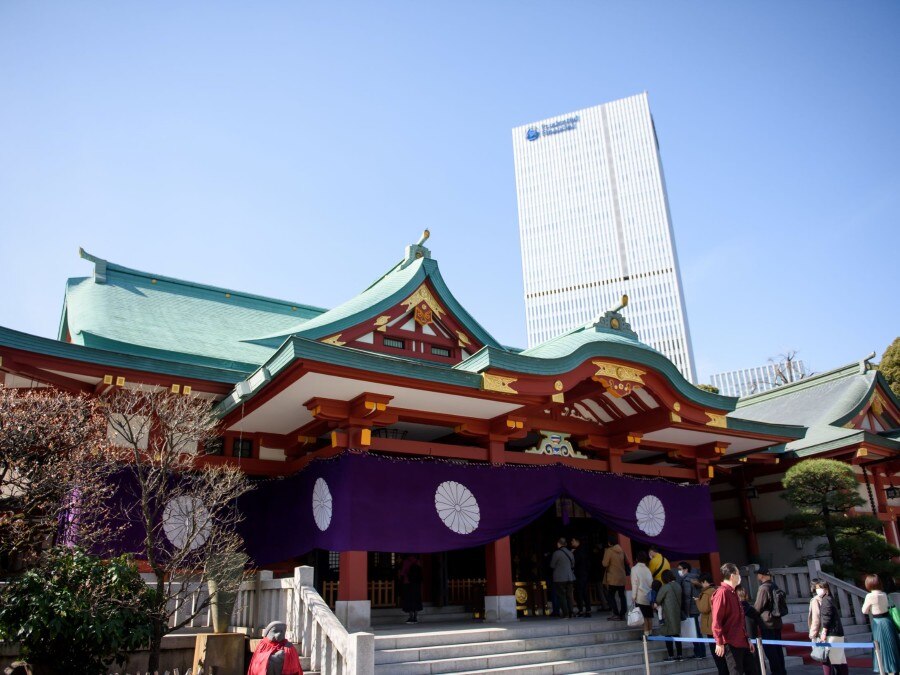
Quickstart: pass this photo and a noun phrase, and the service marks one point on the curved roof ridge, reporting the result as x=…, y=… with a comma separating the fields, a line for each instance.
x=856, y=368
x=103, y=267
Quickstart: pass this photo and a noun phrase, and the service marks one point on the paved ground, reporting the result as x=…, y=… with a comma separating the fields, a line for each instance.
x=817, y=670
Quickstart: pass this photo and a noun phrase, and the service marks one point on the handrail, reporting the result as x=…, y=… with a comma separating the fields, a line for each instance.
x=312, y=624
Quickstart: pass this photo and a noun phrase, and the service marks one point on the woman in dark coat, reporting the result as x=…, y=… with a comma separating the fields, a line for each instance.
x=411, y=588
x=753, y=622
x=832, y=630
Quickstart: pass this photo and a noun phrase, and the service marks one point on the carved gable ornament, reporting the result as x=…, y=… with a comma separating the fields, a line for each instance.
x=617, y=379
x=555, y=444
x=423, y=305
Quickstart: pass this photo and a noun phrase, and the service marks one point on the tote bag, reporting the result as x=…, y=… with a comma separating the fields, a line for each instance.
x=635, y=617
x=895, y=616
x=688, y=628
x=820, y=654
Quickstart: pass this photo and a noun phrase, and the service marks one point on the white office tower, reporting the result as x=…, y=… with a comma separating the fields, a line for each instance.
x=594, y=224
x=756, y=380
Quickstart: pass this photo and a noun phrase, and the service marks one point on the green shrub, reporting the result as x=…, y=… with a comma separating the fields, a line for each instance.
x=76, y=614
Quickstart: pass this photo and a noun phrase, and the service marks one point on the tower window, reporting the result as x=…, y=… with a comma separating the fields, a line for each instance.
x=396, y=343
x=440, y=351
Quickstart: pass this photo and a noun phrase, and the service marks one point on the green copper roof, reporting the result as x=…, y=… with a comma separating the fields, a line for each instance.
x=823, y=403
x=386, y=292
x=827, y=398
x=40, y=345
x=149, y=315
x=596, y=340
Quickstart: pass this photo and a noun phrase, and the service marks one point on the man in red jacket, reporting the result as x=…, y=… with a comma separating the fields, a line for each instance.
x=728, y=627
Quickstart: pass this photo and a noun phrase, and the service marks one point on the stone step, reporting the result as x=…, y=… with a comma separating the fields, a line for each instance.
x=698, y=666
x=504, y=646
x=412, y=636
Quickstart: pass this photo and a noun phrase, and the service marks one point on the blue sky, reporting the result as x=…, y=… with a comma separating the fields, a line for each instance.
x=293, y=149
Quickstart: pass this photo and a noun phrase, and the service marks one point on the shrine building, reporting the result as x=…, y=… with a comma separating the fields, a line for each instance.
x=395, y=423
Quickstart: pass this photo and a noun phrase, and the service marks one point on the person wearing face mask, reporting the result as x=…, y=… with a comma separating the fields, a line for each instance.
x=832, y=631
x=728, y=625
x=771, y=624
x=814, y=617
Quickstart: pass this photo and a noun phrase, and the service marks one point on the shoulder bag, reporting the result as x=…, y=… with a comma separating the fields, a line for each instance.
x=635, y=617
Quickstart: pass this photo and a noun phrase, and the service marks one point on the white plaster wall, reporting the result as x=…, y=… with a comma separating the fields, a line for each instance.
x=272, y=453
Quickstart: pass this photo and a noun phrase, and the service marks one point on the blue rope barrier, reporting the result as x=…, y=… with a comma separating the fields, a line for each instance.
x=783, y=643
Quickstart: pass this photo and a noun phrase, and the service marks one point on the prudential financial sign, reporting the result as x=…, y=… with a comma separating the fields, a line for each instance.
x=552, y=128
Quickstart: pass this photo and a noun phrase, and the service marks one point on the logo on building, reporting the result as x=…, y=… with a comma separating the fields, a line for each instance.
x=557, y=127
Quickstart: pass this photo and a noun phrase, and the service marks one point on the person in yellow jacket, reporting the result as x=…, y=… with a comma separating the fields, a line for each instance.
x=658, y=563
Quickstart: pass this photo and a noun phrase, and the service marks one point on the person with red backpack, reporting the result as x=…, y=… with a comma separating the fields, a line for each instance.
x=771, y=604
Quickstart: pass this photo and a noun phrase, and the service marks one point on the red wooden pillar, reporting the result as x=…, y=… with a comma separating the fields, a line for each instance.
x=750, y=522
x=499, y=568
x=354, y=575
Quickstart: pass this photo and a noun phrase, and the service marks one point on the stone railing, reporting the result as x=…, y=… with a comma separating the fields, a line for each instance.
x=323, y=638
x=795, y=582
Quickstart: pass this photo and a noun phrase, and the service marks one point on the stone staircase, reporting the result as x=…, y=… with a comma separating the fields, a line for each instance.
x=533, y=646
x=796, y=627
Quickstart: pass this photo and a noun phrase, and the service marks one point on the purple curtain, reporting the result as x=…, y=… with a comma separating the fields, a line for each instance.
x=364, y=502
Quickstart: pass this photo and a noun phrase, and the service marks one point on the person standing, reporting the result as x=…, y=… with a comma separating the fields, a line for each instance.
x=814, y=617
x=668, y=598
x=753, y=624
x=582, y=578
x=704, y=604
x=832, y=631
x=614, y=578
x=411, y=587
x=765, y=605
x=658, y=563
x=641, y=581
x=562, y=562
x=690, y=587
x=728, y=625
x=876, y=605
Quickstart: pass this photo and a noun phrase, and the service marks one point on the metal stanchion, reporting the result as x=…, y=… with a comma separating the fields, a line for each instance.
x=646, y=655
x=759, y=653
x=878, y=656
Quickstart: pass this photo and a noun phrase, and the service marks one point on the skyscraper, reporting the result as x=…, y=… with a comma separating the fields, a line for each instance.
x=594, y=224
x=757, y=380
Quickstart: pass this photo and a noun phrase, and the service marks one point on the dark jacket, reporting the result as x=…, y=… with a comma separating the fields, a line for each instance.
x=582, y=563
x=752, y=620
x=831, y=617
x=765, y=601
x=688, y=592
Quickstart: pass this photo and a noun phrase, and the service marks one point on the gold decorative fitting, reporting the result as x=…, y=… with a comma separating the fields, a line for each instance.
x=186, y=390
x=558, y=385
x=676, y=406
x=228, y=295
x=153, y=281
x=614, y=323
x=293, y=309
x=877, y=405
x=120, y=381
x=862, y=452
x=674, y=417
x=716, y=420
x=619, y=372
x=711, y=471
x=176, y=389
x=107, y=379
x=365, y=437
x=558, y=398
x=381, y=323
x=464, y=340
x=334, y=340
x=635, y=438
x=420, y=296
x=498, y=383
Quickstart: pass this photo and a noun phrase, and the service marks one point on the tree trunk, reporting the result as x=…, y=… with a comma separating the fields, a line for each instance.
x=832, y=542
x=155, y=646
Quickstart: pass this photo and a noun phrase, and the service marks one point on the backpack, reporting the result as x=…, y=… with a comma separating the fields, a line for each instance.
x=779, y=602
